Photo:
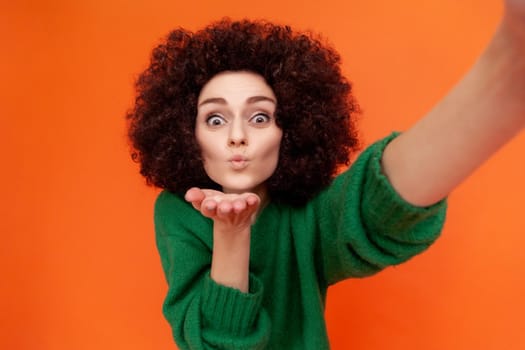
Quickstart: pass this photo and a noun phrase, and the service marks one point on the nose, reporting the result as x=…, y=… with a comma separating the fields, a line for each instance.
x=237, y=136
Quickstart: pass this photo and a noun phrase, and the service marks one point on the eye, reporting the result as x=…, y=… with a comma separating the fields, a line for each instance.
x=260, y=118
x=215, y=120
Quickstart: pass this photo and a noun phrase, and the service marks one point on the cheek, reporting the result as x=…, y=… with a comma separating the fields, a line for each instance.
x=209, y=153
x=206, y=143
x=274, y=144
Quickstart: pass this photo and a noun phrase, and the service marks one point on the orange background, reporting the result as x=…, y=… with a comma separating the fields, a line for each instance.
x=79, y=268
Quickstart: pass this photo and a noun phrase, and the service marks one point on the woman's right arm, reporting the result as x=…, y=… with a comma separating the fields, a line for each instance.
x=365, y=226
x=203, y=313
x=232, y=219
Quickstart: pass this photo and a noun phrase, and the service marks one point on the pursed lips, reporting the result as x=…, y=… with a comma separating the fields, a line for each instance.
x=238, y=162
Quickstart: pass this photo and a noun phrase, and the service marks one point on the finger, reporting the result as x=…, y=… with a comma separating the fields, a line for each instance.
x=252, y=199
x=224, y=208
x=239, y=205
x=209, y=204
x=194, y=194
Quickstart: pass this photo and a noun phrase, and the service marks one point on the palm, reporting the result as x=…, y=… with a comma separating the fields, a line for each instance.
x=236, y=210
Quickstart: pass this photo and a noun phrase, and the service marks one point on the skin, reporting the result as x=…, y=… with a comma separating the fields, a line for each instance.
x=476, y=118
x=479, y=115
x=240, y=141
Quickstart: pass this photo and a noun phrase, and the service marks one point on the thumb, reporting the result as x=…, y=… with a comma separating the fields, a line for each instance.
x=195, y=196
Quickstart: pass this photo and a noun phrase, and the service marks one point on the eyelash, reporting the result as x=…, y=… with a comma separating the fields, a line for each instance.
x=212, y=116
x=266, y=116
x=223, y=121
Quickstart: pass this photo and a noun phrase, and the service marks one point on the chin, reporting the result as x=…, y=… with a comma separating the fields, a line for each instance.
x=243, y=188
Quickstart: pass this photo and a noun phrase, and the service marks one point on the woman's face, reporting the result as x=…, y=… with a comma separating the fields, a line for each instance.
x=236, y=131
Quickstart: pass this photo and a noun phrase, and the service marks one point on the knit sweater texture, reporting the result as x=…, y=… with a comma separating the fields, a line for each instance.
x=355, y=227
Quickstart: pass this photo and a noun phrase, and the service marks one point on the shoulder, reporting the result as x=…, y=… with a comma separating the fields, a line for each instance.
x=172, y=211
x=366, y=165
x=370, y=158
x=168, y=203
x=167, y=199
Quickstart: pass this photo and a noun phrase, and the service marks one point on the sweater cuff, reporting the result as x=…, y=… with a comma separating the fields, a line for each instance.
x=230, y=310
x=391, y=210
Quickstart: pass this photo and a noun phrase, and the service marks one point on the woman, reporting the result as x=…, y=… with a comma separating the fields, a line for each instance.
x=244, y=124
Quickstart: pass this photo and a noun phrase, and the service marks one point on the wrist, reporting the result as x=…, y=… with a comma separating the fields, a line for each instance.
x=231, y=259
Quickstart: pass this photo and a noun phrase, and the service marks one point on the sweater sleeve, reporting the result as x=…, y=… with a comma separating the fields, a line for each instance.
x=202, y=313
x=366, y=226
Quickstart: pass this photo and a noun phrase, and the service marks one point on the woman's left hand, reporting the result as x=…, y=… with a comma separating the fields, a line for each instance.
x=514, y=18
x=483, y=112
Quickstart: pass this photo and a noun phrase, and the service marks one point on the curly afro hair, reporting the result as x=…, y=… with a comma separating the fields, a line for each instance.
x=315, y=107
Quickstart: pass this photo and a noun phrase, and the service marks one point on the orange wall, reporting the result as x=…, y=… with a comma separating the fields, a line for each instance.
x=78, y=261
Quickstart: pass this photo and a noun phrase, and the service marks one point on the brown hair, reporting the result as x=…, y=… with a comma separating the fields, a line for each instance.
x=315, y=108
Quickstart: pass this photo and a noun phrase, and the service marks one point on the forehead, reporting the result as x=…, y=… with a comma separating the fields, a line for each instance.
x=236, y=84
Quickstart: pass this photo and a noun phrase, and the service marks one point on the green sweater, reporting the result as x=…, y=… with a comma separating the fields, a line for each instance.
x=354, y=228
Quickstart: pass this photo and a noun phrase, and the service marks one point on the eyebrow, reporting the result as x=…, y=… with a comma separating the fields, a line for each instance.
x=250, y=100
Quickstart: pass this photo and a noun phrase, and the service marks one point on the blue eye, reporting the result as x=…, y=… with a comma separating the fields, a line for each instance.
x=215, y=120
x=260, y=118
